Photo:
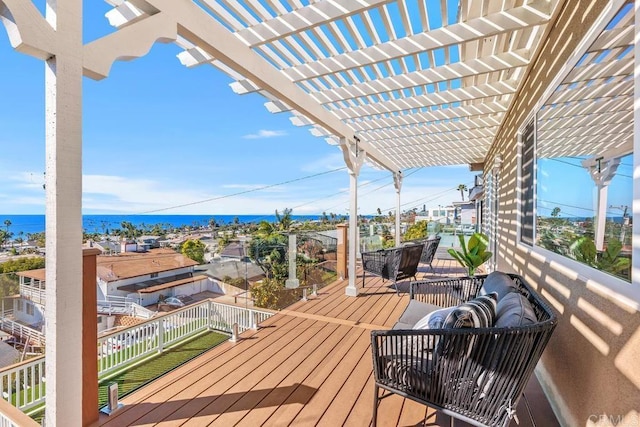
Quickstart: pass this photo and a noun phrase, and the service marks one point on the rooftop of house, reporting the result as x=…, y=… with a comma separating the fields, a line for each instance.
x=131, y=264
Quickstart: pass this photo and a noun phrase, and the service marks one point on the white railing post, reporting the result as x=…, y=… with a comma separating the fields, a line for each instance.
x=234, y=333
x=160, y=335
x=254, y=320
x=210, y=315
x=304, y=294
x=315, y=290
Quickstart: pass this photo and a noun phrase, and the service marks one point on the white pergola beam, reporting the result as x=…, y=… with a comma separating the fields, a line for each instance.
x=455, y=113
x=392, y=136
x=461, y=95
x=479, y=123
x=536, y=13
x=305, y=18
x=28, y=31
x=445, y=73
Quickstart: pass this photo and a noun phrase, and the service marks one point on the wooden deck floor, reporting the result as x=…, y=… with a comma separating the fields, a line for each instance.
x=308, y=365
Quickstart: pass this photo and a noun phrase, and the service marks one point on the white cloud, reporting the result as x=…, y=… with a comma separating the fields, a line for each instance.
x=264, y=133
x=331, y=161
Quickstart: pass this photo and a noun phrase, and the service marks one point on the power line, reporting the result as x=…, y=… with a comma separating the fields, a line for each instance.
x=253, y=190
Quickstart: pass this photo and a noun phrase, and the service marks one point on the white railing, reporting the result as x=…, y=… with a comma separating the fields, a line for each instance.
x=32, y=293
x=223, y=316
x=14, y=328
x=23, y=384
x=132, y=344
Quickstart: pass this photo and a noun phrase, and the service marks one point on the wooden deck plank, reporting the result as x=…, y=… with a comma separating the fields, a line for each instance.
x=201, y=405
x=308, y=365
x=193, y=375
x=286, y=376
x=296, y=388
x=315, y=409
x=286, y=413
x=339, y=409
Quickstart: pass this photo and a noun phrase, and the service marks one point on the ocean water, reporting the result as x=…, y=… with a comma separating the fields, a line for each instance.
x=21, y=225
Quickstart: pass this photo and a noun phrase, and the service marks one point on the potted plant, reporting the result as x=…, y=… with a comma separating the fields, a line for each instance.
x=473, y=254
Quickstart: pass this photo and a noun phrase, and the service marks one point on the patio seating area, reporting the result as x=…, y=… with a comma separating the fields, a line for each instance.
x=310, y=364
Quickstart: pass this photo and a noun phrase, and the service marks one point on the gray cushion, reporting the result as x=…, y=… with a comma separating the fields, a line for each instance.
x=415, y=311
x=499, y=283
x=514, y=310
x=400, y=325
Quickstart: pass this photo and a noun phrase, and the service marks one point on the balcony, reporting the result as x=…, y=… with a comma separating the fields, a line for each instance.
x=308, y=364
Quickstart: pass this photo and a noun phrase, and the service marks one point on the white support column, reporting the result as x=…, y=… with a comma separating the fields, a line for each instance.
x=397, y=182
x=602, y=170
x=354, y=158
x=63, y=102
x=602, y=192
x=292, y=282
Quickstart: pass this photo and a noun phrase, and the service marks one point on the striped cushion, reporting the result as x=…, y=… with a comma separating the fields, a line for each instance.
x=479, y=312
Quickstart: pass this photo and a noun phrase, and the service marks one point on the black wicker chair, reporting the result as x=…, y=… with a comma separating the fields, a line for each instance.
x=430, y=247
x=477, y=375
x=394, y=264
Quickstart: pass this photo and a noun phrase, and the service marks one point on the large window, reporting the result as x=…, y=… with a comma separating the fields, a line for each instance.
x=577, y=159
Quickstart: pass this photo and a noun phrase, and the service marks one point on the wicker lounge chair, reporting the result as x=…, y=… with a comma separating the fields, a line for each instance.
x=394, y=264
x=430, y=247
x=474, y=374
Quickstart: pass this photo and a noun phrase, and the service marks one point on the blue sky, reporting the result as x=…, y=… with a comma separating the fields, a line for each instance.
x=158, y=135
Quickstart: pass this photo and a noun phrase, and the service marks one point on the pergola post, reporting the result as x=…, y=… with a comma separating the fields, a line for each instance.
x=602, y=170
x=63, y=318
x=354, y=158
x=397, y=182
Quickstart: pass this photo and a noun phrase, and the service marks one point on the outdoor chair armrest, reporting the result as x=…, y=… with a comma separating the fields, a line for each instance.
x=446, y=292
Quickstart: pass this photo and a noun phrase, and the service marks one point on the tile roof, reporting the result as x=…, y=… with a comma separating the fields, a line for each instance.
x=127, y=265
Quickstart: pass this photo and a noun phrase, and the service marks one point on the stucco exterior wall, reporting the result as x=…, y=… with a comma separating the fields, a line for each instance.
x=590, y=369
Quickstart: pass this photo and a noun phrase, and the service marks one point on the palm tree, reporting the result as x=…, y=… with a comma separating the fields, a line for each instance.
x=8, y=235
x=284, y=220
x=462, y=188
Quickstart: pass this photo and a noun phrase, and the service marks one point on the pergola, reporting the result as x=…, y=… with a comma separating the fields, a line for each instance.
x=396, y=83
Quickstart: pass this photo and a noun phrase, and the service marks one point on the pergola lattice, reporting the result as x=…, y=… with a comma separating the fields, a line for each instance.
x=420, y=83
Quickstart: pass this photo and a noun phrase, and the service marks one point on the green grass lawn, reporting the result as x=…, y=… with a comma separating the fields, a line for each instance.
x=137, y=376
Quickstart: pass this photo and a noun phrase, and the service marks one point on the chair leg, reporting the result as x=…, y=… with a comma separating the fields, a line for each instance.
x=374, y=420
x=395, y=283
x=363, y=274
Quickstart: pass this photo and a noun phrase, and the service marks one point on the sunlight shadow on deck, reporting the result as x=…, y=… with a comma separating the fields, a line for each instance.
x=224, y=403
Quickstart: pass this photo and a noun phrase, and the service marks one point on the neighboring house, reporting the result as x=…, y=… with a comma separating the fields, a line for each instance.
x=465, y=212
x=443, y=214
x=234, y=250
x=28, y=306
x=108, y=247
x=144, y=277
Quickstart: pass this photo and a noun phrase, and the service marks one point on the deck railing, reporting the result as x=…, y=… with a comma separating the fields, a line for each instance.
x=11, y=416
x=14, y=328
x=33, y=293
x=23, y=384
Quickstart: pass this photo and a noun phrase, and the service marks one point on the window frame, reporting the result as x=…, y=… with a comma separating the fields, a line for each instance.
x=599, y=281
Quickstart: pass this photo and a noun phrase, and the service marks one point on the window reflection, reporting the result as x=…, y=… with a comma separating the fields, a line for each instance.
x=583, y=150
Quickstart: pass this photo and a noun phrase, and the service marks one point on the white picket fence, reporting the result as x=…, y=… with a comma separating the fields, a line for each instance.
x=23, y=384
